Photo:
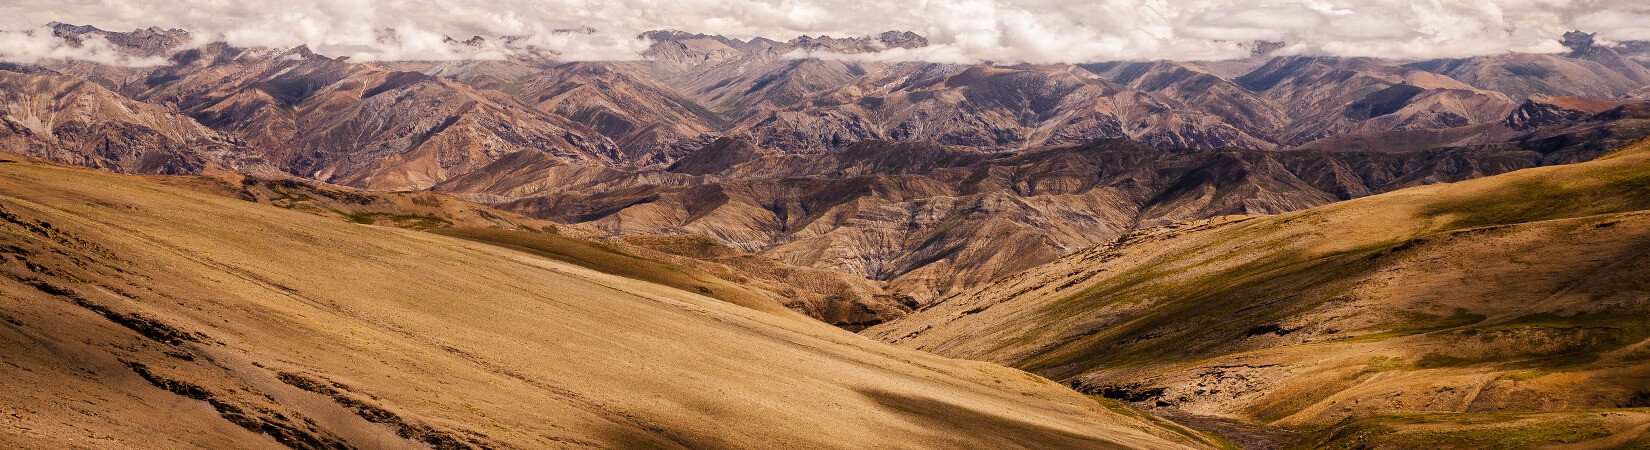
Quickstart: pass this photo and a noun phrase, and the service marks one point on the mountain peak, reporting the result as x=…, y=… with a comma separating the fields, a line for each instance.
x=671, y=35
x=1578, y=41
x=152, y=41
x=861, y=44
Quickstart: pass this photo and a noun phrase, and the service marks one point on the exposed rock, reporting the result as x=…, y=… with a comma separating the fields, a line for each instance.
x=1541, y=111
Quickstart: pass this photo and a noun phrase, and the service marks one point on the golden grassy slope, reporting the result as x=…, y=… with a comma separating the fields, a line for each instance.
x=416, y=210
x=141, y=315
x=846, y=301
x=1528, y=291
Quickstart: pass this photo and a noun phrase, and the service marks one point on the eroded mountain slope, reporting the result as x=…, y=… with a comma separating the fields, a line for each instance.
x=50, y=115
x=931, y=219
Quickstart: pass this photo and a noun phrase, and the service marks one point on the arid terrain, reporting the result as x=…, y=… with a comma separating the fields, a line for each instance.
x=861, y=241
x=899, y=173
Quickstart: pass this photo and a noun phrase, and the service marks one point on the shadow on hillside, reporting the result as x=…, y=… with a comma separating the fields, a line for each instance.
x=960, y=427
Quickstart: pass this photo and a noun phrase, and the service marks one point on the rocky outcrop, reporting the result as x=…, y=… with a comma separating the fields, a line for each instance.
x=1542, y=111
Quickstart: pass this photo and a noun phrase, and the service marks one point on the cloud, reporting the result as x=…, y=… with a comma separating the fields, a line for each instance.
x=1267, y=23
x=1618, y=25
x=1038, y=31
x=39, y=44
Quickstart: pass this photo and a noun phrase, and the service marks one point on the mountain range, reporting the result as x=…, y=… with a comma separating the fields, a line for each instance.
x=895, y=172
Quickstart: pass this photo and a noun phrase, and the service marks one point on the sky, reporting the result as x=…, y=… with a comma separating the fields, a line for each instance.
x=960, y=31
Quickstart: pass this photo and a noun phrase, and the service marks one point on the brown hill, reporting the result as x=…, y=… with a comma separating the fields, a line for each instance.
x=1199, y=88
x=150, y=316
x=650, y=123
x=1327, y=97
x=67, y=119
x=1509, y=308
x=360, y=124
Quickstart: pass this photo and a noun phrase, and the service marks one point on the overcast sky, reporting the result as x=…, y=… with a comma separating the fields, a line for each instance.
x=1039, y=31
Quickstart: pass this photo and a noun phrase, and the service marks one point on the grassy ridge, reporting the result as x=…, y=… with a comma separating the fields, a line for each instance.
x=1237, y=293
x=1607, y=188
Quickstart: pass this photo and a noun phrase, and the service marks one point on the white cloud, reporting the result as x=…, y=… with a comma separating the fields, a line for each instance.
x=1618, y=25
x=39, y=44
x=1036, y=31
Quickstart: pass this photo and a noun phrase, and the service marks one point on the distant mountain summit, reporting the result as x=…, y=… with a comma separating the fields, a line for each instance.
x=152, y=41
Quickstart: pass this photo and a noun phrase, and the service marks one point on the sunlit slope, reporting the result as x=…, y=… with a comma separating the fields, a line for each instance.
x=690, y=262
x=1528, y=291
x=141, y=315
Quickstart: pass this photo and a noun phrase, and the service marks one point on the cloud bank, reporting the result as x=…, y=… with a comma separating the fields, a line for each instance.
x=1036, y=31
x=38, y=44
